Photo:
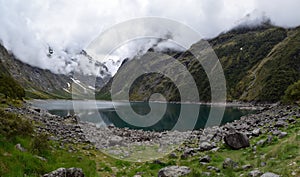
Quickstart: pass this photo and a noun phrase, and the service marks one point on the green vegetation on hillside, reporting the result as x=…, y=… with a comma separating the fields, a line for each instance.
x=259, y=64
x=9, y=88
x=292, y=93
x=37, y=83
x=40, y=156
x=281, y=156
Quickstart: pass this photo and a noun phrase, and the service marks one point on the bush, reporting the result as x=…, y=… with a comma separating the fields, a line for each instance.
x=10, y=88
x=292, y=93
x=12, y=125
x=40, y=143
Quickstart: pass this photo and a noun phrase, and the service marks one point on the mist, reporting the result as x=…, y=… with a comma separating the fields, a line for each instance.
x=29, y=28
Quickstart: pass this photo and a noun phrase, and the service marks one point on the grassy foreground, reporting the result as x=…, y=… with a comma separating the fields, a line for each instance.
x=281, y=156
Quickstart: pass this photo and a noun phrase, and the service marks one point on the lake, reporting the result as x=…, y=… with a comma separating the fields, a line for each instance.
x=104, y=113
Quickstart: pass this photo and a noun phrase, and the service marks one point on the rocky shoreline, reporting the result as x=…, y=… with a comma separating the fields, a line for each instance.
x=268, y=120
x=122, y=142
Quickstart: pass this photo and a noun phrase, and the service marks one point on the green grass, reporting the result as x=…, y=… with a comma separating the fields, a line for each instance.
x=282, y=156
x=14, y=129
x=278, y=155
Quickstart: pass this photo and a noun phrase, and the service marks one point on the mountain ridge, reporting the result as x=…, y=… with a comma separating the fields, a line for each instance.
x=259, y=64
x=44, y=84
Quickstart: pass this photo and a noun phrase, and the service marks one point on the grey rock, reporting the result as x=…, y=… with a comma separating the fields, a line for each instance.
x=276, y=132
x=158, y=162
x=212, y=168
x=184, y=156
x=282, y=134
x=215, y=149
x=190, y=151
x=20, y=148
x=205, y=174
x=262, y=164
x=270, y=139
x=260, y=142
x=63, y=172
x=206, y=146
x=292, y=120
x=173, y=155
x=254, y=173
x=237, y=140
x=280, y=123
x=174, y=171
x=256, y=132
x=246, y=167
x=115, y=140
x=41, y=158
x=205, y=159
x=268, y=174
x=229, y=163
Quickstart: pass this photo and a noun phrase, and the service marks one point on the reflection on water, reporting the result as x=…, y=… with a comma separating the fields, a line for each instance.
x=104, y=113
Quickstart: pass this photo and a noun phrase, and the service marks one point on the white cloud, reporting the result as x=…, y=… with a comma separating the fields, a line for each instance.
x=29, y=27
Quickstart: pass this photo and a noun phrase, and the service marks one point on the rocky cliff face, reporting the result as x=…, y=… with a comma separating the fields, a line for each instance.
x=259, y=64
x=40, y=83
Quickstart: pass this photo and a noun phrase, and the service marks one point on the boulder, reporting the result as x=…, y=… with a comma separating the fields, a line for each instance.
x=173, y=155
x=237, y=140
x=282, y=134
x=263, y=164
x=260, y=142
x=280, y=123
x=256, y=132
x=254, y=173
x=206, y=146
x=174, y=171
x=115, y=140
x=212, y=168
x=64, y=172
x=205, y=159
x=268, y=174
x=276, y=132
x=229, y=163
x=246, y=167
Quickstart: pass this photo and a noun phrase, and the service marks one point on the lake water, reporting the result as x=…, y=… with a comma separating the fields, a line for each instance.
x=104, y=113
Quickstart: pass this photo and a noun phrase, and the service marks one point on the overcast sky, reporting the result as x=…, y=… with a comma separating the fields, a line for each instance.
x=29, y=27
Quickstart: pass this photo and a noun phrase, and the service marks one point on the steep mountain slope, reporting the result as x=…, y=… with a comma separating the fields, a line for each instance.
x=272, y=75
x=9, y=88
x=259, y=64
x=40, y=83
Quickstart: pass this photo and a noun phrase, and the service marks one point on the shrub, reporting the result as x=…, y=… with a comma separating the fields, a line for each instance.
x=292, y=93
x=12, y=125
x=40, y=143
x=10, y=88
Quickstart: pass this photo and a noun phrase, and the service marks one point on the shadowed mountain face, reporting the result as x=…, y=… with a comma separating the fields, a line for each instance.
x=259, y=64
x=9, y=88
x=40, y=83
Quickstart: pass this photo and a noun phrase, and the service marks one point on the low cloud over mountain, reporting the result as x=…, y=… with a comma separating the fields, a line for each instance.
x=33, y=29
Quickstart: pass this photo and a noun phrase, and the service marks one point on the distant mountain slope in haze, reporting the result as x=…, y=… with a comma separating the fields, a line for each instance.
x=259, y=64
x=40, y=83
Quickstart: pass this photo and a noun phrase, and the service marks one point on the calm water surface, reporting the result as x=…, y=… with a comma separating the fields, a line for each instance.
x=103, y=113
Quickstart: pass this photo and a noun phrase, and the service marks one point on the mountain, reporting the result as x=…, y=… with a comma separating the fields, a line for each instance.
x=9, y=87
x=259, y=64
x=40, y=83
